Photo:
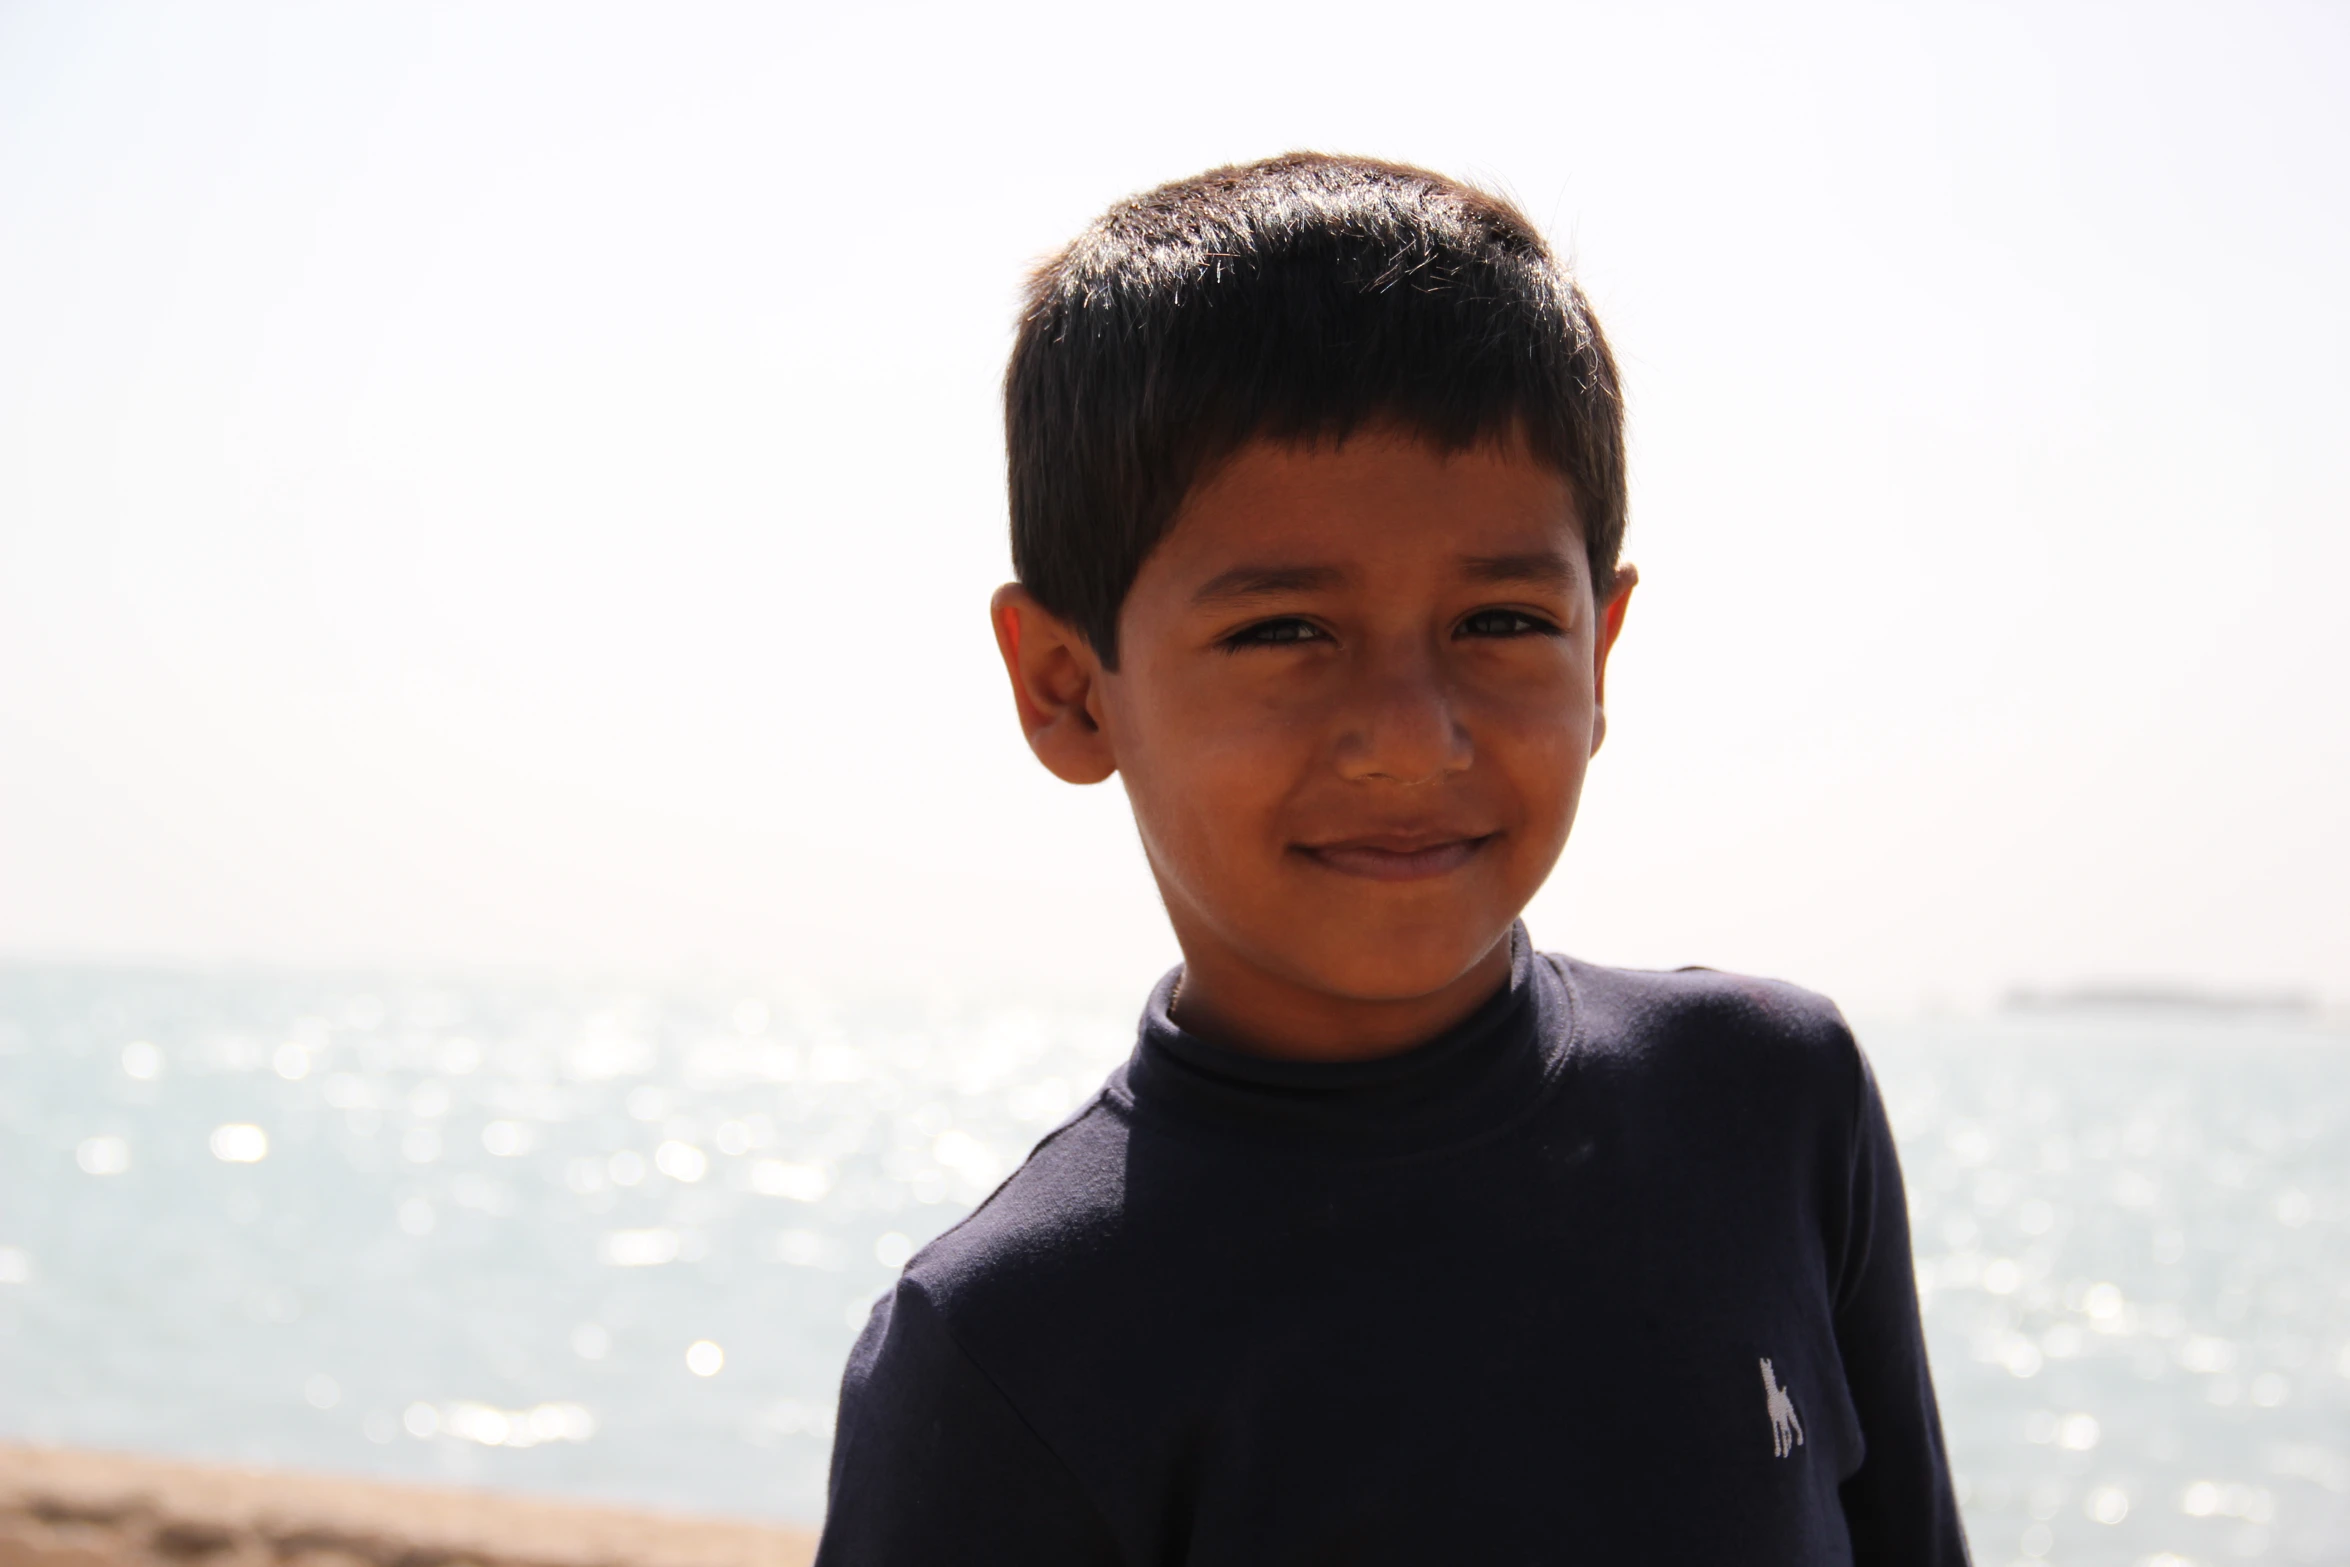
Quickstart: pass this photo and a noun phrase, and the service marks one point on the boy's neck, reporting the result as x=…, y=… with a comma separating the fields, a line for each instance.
x=1224, y=999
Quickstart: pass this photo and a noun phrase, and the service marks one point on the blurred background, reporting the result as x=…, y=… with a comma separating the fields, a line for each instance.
x=521, y=899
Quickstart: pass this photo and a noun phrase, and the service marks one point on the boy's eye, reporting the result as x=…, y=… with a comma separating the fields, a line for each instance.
x=1506, y=623
x=1284, y=632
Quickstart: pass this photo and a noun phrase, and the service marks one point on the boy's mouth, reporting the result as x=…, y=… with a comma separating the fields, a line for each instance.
x=1398, y=858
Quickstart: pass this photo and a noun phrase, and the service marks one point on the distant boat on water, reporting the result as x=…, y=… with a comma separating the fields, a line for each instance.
x=2149, y=997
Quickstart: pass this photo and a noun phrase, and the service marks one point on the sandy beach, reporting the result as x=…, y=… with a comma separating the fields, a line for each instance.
x=64, y=1508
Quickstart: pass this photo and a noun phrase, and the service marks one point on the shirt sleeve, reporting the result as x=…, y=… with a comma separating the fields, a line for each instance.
x=931, y=1463
x=1898, y=1506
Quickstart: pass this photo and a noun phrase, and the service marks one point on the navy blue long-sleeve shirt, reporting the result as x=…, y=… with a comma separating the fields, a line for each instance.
x=1617, y=1270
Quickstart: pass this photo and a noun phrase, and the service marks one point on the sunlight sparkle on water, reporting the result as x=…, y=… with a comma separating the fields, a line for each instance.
x=239, y=1142
x=489, y=1426
x=681, y=1161
x=640, y=1248
x=783, y=1178
x=2078, y=1433
x=506, y=1139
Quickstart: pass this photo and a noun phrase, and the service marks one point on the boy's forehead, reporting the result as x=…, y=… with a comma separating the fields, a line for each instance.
x=1282, y=516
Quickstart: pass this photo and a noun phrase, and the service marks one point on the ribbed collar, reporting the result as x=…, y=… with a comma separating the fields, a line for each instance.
x=1475, y=1078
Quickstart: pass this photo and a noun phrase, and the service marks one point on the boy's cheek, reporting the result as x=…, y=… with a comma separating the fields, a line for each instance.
x=1544, y=743
x=1218, y=808
x=1225, y=753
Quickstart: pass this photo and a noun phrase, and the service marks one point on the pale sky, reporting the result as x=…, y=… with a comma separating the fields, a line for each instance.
x=497, y=484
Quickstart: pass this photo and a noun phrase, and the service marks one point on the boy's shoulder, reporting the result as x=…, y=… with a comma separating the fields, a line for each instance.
x=1696, y=1016
x=1705, y=1039
x=1064, y=1204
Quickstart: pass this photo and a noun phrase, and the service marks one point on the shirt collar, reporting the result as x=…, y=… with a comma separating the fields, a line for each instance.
x=1474, y=1078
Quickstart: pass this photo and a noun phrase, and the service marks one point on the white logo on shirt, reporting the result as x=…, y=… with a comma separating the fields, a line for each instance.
x=1786, y=1430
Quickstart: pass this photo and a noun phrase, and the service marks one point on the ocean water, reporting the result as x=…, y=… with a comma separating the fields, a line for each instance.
x=615, y=1243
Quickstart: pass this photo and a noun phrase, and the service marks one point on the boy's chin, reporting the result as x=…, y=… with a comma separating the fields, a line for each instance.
x=1370, y=961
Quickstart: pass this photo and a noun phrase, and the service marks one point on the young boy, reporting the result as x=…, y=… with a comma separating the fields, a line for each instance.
x=1394, y=1241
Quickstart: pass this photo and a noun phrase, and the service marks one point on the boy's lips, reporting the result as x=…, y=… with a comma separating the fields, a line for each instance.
x=1398, y=858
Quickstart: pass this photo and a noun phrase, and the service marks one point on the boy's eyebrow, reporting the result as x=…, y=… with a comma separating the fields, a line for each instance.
x=1547, y=568
x=1243, y=583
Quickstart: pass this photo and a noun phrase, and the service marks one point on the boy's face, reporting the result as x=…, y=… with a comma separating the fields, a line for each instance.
x=1358, y=689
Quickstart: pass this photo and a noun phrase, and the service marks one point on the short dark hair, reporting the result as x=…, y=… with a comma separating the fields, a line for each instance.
x=1298, y=298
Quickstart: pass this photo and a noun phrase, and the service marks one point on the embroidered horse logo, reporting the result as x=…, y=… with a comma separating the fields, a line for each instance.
x=1786, y=1429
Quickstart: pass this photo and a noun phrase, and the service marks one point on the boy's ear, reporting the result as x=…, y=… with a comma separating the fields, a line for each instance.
x=1056, y=684
x=1611, y=626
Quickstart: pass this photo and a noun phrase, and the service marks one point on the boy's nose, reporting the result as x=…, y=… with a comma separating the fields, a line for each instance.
x=1402, y=726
